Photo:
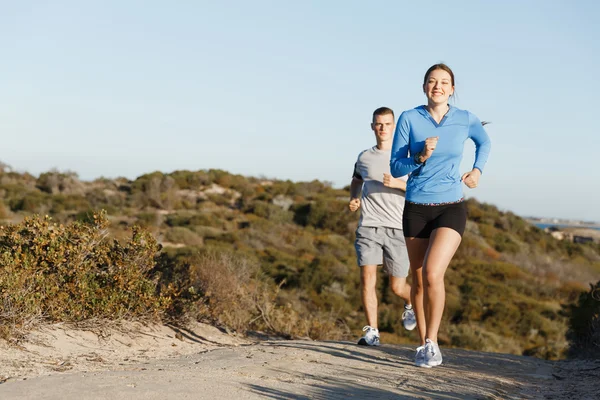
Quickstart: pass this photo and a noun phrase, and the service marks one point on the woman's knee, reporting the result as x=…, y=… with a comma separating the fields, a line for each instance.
x=433, y=278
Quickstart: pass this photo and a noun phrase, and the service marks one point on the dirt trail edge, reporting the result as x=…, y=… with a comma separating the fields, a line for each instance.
x=207, y=365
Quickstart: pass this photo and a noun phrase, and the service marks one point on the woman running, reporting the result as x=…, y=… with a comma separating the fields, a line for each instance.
x=428, y=145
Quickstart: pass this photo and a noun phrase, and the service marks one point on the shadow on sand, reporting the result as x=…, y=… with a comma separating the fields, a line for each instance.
x=464, y=375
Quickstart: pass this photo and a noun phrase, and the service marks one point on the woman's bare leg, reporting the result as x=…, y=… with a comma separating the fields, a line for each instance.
x=416, y=254
x=443, y=243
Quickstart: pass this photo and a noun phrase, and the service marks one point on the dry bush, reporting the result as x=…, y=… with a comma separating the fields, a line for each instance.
x=474, y=336
x=234, y=295
x=237, y=296
x=542, y=265
x=74, y=272
x=4, y=212
x=55, y=182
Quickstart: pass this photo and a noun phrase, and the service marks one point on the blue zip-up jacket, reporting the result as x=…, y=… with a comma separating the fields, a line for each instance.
x=438, y=180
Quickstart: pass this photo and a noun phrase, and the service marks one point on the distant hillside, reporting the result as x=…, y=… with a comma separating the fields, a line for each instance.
x=249, y=253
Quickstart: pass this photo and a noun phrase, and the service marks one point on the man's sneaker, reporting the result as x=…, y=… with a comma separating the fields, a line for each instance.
x=420, y=357
x=408, y=319
x=371, y=337
x=433, y=355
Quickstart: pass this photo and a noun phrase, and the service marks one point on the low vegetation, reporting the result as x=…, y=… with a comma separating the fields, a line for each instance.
x=273, y=256
x=584, y=331
x=51, y=272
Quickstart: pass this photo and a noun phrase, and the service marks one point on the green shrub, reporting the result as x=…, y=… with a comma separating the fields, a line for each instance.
x=182, y=235
x=584, y=328
x=189, y=219
x=148, y=219
x=190, y=180
x=331, y=215
x=62, y=203
x=504, y=244
x=71, y=273
x=33, y=202
x=86, y=217
x=269, y=211
x=55, y=182
x=155, y=190
x=106, y=198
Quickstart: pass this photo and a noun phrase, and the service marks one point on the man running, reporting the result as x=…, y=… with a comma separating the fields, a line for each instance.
x=379, y=236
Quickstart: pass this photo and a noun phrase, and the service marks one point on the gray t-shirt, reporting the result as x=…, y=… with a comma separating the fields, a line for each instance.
x=380, y=205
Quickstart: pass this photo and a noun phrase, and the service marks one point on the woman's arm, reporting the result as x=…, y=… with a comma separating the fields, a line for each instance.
x=482, y=142
x=400, y=163
x=483, y=145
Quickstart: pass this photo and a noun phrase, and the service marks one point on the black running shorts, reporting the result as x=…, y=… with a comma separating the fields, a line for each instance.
x=419, y=220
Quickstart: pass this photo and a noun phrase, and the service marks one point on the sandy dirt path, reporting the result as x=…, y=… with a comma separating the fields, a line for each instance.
x=221, y=367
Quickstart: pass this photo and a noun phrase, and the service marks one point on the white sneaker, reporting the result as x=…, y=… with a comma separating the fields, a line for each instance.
x=408, y=319
x=433, y=355
x=420, y=357
x=371, y=337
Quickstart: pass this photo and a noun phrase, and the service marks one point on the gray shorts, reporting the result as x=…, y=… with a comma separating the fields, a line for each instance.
x=375, y=246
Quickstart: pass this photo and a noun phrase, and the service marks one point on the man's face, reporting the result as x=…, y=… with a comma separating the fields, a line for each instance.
x=384, y=126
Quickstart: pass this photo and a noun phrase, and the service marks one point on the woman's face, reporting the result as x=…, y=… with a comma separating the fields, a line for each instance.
x=438, y=87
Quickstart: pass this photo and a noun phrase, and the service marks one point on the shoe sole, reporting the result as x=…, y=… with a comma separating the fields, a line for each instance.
x=410, y=328
x=422, y=365
x=433, y=364
x=363, y=342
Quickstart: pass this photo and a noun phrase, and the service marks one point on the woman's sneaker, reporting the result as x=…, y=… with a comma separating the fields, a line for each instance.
x=433, y=355
x=371, y=337
x=408, y=319
x=420, y=357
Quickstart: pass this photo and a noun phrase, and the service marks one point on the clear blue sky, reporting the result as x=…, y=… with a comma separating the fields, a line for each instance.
x=286, y=89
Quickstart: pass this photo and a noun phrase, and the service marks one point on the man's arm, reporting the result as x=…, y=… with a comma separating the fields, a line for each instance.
x=355, y=191
x=394, y=183
x=356, y=188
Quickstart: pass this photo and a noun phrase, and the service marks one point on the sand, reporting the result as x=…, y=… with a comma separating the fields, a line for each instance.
x=136, y=361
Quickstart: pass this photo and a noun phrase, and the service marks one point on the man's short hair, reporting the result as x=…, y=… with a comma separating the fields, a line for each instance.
x=382, y=111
